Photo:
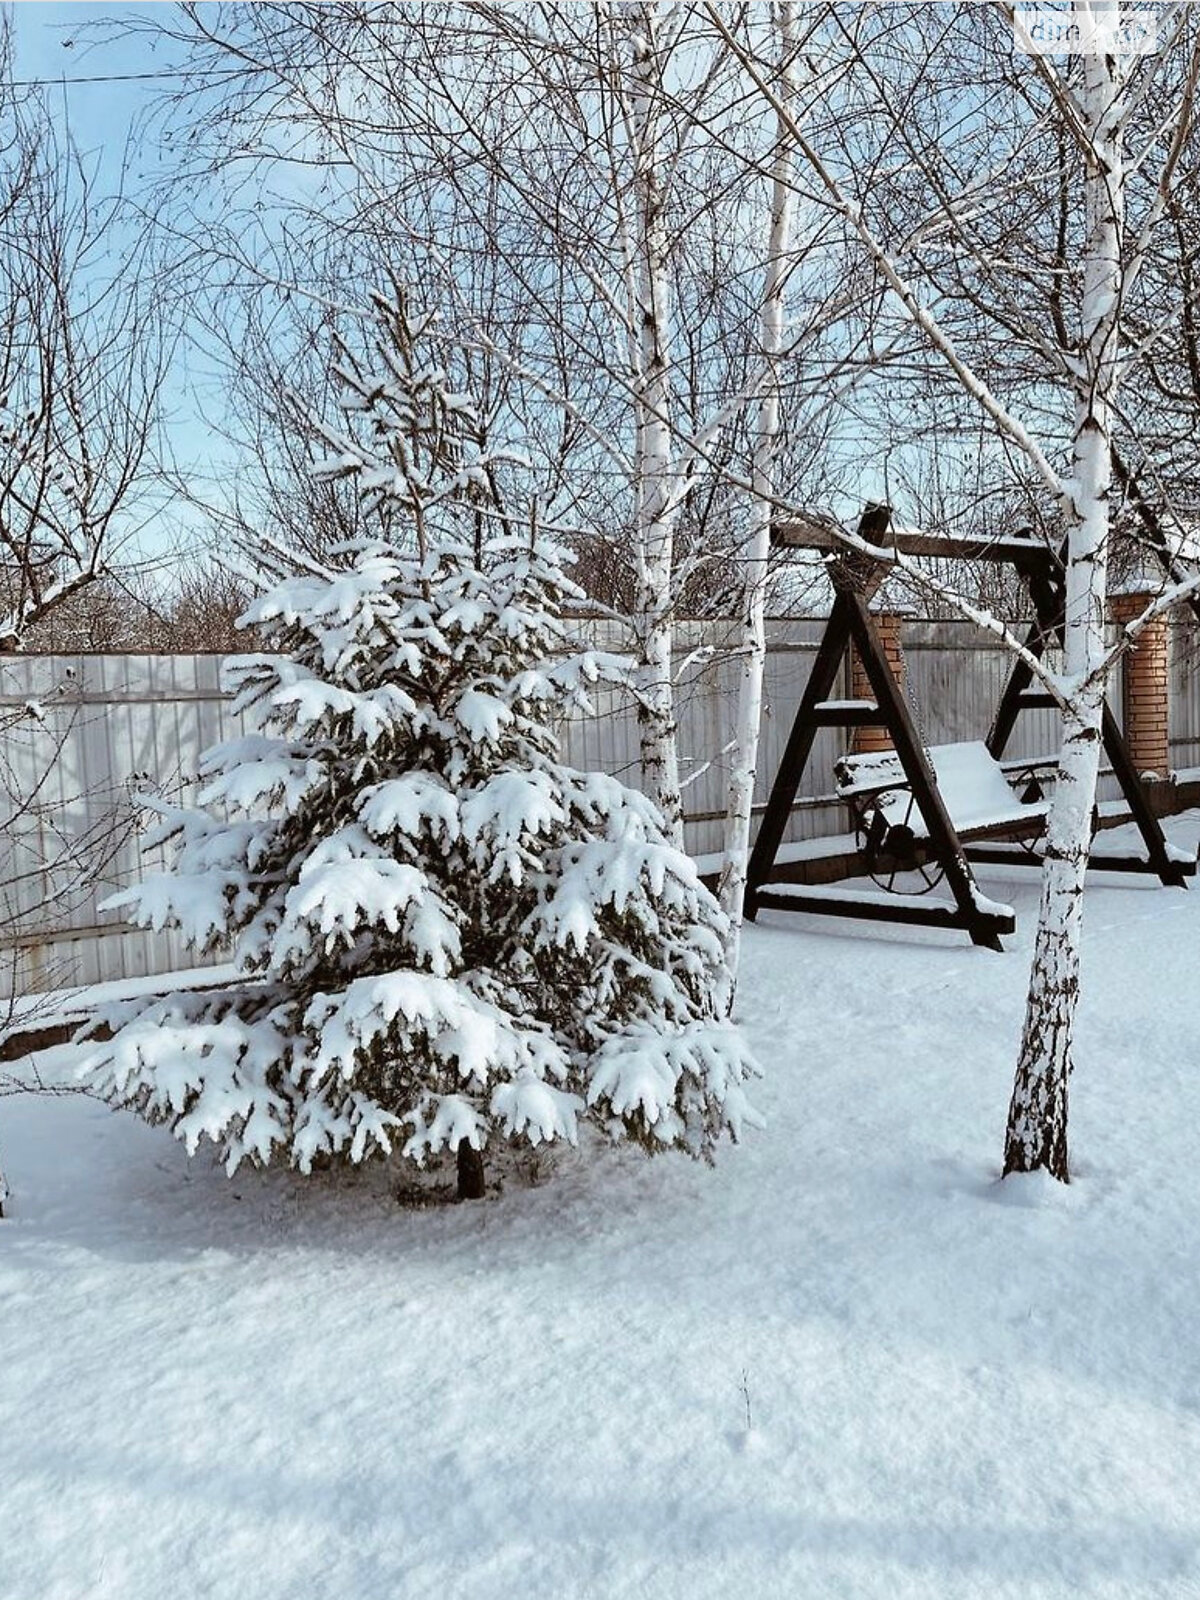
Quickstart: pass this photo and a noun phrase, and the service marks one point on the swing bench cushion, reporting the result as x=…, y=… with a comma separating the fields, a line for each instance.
x=977, y=795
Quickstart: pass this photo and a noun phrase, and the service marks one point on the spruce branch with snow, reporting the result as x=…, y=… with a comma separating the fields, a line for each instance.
x=446, y=939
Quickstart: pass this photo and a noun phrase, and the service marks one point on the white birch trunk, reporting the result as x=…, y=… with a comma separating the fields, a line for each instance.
x=732, y=886
x=1037, y=1119
x=654, y=454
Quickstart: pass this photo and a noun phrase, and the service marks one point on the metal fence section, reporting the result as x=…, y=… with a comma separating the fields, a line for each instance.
x=80, y=735
x=1185, y=696
x=706, y=686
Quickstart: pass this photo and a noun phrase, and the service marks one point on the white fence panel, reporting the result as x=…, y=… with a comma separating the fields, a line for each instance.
x=71, y=835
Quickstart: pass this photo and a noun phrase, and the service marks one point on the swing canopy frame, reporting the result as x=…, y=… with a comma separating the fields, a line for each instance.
x=952, y=804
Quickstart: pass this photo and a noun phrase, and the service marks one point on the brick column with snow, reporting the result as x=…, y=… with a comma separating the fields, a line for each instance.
x=889, y=624
x=1147, y=680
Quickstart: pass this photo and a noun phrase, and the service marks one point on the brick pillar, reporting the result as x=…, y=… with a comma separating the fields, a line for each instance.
x=888, y=623
x=1147, y=685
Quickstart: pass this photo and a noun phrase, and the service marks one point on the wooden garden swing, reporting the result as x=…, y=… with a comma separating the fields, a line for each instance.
x=930, y=811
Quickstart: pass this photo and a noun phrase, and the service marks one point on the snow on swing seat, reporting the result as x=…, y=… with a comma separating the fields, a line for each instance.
x=979, y=798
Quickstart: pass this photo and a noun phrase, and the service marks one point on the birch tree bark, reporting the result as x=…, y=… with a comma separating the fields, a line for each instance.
x=744, y=757
x=648, y=273
x=1036, y=1135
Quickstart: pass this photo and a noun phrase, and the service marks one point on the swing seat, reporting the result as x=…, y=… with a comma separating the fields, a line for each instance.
x=981, y=802
x=926, y=825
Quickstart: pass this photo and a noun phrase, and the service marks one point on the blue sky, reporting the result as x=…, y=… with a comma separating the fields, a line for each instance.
x=55, y=44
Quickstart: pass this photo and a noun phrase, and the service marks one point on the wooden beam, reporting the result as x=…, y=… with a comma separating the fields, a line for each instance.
x=848, y=714
x=943, y=839
x=1171, y=873
x=821, y=679
x=985, y=927
x=795, y=535
x=1046, y=590
x=1000, y=855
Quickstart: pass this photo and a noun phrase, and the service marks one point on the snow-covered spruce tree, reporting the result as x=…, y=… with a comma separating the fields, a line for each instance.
x=446, y=939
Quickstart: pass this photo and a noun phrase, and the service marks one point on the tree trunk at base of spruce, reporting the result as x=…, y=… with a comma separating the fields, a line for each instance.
x=471, y=1184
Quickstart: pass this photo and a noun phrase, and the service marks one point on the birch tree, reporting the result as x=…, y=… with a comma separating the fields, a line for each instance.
x=559, y=191
x=744, y=760
x=1037, y=1119
x=965, y=248
x=647, y=265
x=538, y=141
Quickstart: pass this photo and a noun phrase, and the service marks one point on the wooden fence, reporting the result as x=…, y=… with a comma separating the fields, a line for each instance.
x=102, y=726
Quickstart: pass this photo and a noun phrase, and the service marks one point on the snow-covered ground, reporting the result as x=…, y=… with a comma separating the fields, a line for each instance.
x=274, y=1387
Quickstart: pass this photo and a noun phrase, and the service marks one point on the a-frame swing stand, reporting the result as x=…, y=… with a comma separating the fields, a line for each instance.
x=855, y=576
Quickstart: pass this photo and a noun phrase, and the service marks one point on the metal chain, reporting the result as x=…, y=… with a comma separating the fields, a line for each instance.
x=914, y=708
